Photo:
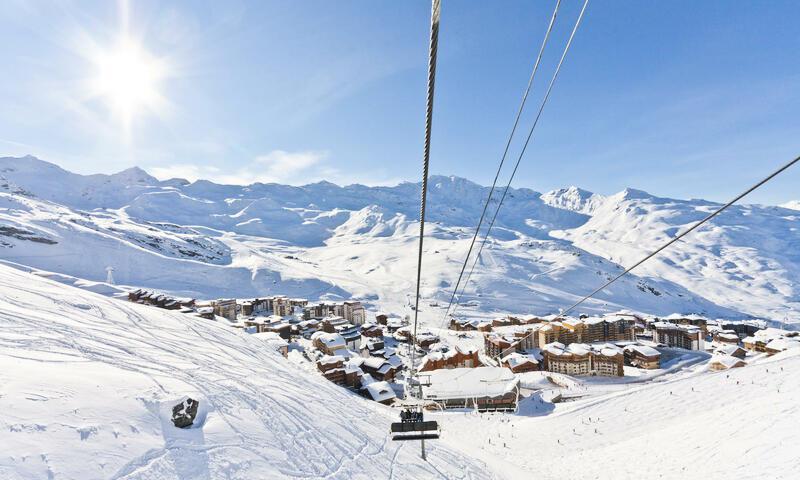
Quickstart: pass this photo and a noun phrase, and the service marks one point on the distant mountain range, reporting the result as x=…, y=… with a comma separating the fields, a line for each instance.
x=322, y=240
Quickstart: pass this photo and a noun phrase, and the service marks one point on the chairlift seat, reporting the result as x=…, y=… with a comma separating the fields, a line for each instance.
x=415, y=436
x=424, y=426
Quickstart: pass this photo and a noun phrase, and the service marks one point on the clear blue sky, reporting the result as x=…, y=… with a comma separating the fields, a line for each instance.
x=656, y=95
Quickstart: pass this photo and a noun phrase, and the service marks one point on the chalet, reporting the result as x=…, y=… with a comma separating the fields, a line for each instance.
x=403, y=334
x=393, y=324
x=777, y=345
x=380, y=392
x=371, y=345
x=329, y=323
x=581, y=359
x=731, y=350
x=772, y=341
x=426, y=339
x=206, y=312
x=335, y=370
x=351, y=335
x=329, y=343
x=371, y=330
x=678, y=335
x=381, y=318
x=283, y=329
x=226, y=308
x=726, y=336
x=642, y=356
x=463, y=324
x=482, y=388
x=725, y=362
x=458, y=356
x=755, y=344
x=379, y=368
x=306, y=328
x=691, y=319
x=520, y=363
x=332, y=368
x=258, y=323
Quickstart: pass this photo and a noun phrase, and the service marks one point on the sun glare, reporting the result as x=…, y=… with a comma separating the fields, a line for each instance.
x=128, y=78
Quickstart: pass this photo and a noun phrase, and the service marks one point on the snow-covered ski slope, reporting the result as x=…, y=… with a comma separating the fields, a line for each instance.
x=740, y=424
x=321, y=240
x=87, y=384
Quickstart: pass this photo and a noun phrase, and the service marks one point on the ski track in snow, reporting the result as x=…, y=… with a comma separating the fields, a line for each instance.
x=265, y=418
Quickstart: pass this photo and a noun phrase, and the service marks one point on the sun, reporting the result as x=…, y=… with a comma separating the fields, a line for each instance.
x=128, y=78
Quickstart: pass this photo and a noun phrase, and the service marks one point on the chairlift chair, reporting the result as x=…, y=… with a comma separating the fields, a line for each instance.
x=413, y=426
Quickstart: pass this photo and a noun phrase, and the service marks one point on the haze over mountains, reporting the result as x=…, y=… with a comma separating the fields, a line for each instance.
x=321, y=240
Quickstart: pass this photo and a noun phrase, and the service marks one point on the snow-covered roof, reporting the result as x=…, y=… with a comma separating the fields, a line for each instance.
x=272, y=338
x=728, y=361
x=330, y=340
x=469, y=383
x=644, y=350
x=380, y=391
x=727, y=349
x=783, y=344
x=374, y=362
x=515, y=359
x=330, y=359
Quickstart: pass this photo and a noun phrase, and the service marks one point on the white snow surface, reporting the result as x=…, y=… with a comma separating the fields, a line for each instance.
x=88, y=383
x=739, y=423
x=325, y=241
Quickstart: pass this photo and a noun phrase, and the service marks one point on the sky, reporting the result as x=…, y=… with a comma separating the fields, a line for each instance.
x=683, y=99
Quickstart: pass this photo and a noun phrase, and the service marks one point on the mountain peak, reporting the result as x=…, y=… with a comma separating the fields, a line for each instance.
x=135, y=175
x=793, y=205
x=572, y=198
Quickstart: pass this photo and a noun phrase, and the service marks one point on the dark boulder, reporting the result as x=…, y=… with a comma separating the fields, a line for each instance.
x=184, y=413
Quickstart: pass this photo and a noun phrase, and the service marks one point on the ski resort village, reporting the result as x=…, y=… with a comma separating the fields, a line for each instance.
x=500, y=364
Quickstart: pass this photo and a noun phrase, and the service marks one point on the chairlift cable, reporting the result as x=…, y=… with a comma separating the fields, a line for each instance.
x=524, y=147
x=505, y=153
x=418, y=427
x=432, y=52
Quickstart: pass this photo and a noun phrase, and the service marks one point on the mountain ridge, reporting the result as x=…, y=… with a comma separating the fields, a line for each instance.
x=321, y=239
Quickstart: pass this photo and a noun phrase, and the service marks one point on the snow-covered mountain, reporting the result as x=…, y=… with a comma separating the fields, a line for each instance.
x=794, y=205
x=322, y=240
x=88, y=383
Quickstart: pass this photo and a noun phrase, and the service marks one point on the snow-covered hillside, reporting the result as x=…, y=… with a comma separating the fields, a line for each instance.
x=88, y=383
x=740, y=424
x=322, y=240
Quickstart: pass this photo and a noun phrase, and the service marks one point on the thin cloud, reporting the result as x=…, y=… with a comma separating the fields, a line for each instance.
x=277, y=166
